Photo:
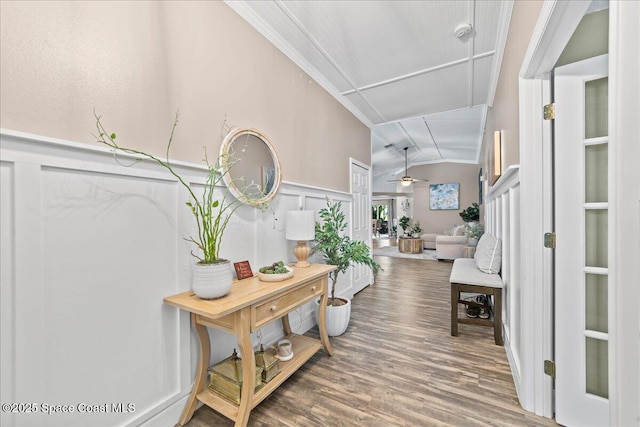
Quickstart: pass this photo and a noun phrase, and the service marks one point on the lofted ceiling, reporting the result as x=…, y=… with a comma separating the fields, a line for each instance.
x=399, y=68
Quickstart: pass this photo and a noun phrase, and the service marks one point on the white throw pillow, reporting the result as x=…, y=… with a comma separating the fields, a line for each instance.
x=458, y=230
x=489, y=254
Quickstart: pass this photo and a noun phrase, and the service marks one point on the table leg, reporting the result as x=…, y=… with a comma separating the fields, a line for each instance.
x=455, y=296
x=286, y=325
x=201, y=374
x=243, y=328
x=322, y=322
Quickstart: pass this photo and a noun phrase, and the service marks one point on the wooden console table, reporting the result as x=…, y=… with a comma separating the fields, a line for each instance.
x=248, y=306
x=410, y=245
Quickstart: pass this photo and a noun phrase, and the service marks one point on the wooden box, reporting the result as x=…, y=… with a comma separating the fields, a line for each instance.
x=269, y=364
x=225, y=378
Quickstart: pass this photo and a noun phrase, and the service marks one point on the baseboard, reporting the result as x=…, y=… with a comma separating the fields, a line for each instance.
x=165, y=414
x=515, y=373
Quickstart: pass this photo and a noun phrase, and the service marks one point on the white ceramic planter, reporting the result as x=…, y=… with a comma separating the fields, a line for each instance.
x=338, y=317
x=212, y=280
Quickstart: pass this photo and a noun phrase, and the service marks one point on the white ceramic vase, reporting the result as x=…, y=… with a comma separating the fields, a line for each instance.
x=337, y=318
x=212, y=280
x=472, y=241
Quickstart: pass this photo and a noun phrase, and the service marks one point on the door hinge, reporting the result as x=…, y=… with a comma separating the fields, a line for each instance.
x=550, y=240
x=549, y=112
x=550, y=368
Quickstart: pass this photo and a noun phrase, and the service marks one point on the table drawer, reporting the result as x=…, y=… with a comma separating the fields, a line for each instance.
x=277, y=306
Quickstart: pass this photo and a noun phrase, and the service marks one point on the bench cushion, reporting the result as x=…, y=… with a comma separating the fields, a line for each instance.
x=488, y=254
x=466, y=272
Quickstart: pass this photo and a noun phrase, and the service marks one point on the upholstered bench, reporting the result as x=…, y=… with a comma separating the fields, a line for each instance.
x=479, y=275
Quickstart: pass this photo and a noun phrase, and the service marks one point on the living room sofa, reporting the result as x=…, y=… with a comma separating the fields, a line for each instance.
x=448, y=245
x=429, y=240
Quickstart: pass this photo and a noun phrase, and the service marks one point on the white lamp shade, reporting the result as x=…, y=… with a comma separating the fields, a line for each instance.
x=300, y=225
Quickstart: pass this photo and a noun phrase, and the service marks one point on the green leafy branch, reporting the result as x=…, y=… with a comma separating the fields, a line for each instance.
x=212, y=215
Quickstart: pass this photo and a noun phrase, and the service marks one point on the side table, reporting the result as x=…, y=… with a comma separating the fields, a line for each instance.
x=468, y=251
x=410, y=245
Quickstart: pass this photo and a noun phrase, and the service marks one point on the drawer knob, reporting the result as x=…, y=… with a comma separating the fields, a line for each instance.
x=313, y=289
x=273, y=307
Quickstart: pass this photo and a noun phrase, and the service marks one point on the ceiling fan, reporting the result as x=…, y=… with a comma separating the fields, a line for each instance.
x=406, y=180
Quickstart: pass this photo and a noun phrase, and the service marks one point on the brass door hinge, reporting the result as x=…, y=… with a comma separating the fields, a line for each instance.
x=550, y=240
x=549, y=112
x=550, y=368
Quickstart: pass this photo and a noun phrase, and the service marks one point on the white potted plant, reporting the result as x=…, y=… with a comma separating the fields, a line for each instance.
x=341, y=251
x=212, y=276
x=404, y=224
x=473, y=231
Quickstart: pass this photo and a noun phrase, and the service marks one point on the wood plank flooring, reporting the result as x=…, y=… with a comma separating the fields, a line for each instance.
x=398, y=365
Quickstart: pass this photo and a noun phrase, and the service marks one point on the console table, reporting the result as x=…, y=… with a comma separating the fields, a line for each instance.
x=249, y=305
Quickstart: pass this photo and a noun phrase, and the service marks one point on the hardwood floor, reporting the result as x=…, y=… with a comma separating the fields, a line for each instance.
x=398, y=365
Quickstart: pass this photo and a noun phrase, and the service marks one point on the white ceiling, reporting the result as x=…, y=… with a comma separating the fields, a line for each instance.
x=399, y=68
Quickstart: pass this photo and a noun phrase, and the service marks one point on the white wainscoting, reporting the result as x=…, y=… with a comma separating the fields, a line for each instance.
x=502, y=219
x=89, y=250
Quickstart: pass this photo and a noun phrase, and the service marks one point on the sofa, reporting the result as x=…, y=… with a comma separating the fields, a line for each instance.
x=429, y=240
x=449, y=247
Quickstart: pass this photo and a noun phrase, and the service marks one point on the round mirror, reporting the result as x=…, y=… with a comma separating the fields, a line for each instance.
x=254, y=170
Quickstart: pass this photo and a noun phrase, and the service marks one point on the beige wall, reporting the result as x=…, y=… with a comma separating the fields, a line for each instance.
x=137, y=63
x=504, y=113
x=437, y=221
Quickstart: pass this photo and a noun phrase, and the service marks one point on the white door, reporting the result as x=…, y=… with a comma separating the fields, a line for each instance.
x=582, y=287
x=361, y=219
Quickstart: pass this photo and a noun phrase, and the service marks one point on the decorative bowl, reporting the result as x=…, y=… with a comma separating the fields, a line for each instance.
x=263, y=277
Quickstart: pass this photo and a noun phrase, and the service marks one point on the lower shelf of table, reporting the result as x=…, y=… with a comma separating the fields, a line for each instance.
x=303, y=347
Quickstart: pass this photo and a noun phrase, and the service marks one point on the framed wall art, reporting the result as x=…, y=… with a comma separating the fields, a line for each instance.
x=480, y=182
x=444, y=196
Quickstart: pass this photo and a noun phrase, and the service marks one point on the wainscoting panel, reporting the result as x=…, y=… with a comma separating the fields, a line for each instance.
x=89, y=250
x=7, y=288
x=503, y=220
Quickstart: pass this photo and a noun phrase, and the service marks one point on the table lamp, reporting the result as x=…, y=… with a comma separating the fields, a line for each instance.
x=300, y=226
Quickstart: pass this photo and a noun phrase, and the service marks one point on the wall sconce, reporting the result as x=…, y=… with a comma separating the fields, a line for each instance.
x=301, y=227
x=405, y=205
x=496, y=157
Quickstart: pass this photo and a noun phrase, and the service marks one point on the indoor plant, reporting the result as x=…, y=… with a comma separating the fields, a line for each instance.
x=415, y=229
x=212, y=275
x=473, y=231
x=341, y=251
x=472, y=213
x=404, y=223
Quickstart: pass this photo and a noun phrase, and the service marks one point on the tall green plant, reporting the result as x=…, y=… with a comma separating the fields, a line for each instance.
x=404, y=223
x=212, y=214
x=337, y=249
x=472, y=213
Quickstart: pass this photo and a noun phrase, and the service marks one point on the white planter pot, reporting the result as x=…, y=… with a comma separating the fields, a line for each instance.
x=338, y=317
x=212, y=280
x=472, y=241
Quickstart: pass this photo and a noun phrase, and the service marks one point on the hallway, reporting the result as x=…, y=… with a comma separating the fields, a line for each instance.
x=397, y=365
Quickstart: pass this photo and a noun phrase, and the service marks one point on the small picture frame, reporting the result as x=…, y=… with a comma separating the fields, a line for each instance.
x=243, y=269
